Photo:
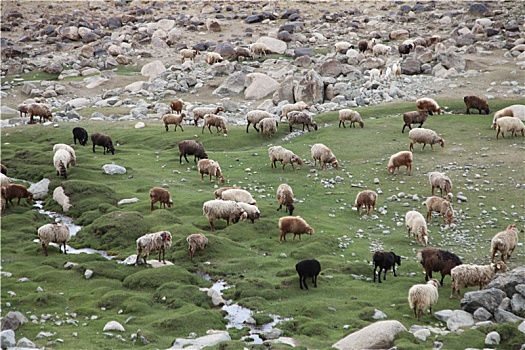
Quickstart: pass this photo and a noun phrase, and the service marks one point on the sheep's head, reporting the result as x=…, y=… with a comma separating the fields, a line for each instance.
x=361, y=124
x=441, y=142
x=221, y=179
x=310, y=230
x=30, y=198
x=434, y=282
x=390, y=169
x=170, y=203
x=335, y=164
x=297, y=160
x=111, y=149
x=397, y=260
x=315, y=125
x=486, y=110
x=499, y=266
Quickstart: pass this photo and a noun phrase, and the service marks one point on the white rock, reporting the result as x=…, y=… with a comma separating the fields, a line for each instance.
x=113, y=326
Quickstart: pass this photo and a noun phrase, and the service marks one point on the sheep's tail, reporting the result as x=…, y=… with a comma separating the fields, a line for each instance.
x=63, y=169
x=496, y=243
x=419, y=257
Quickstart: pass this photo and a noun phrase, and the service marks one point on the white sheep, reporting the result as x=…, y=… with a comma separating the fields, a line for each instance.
x=268, y=126
x=188, y=53
x=517, y=111
x=278, y=153
x=300, y=117
x=324, y=155
x=396, y=70
x=287, y=108
x=381, y=49
x=342, y=46
x=218, y=192
x=468, y=275
x=509, y=124
x=225, y=210
x=285, y=197
x=196, y=241
x=238, y=195
x=505, y=242
x=68, y=148
x=421, y=296
x=428, y=104
x=210, y=167
x=424, y=136
x=4, y=180
x=213, y=57
x=415, y=223
x=260, y=49
x=252, y=212
x=441, y=181
x=217, y=121
x=387, y=73
x=351, y=116
x=61, y=161
x=374, y=74
x=152, y=243
x=295, y=225
x=399, y=159
x=442, y=206
x=254, y=117
x=366, y=199
x=200, y=112
x=55, y=233
x=175, y=119
x=440, y=47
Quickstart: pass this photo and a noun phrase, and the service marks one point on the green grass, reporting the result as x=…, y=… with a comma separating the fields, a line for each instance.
x=165, y=303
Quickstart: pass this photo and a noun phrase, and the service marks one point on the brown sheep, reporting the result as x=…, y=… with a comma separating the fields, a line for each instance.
x=12, y=191
x=295, y=225
x=176, y=106
x=403, y=158
x=415, y=117
x=505, y=242
x=38, y=110
x=428, y=104
x=434, y=260
x=214, y=120
x=211, y=167
x=476, y=102
x=442, y=206
x=104, y=141
x=285, y=197
x=191, y=147
x=366, y=199
x=159, y=194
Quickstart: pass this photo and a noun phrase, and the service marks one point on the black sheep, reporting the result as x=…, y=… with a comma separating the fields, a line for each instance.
x=434, y=259
x=104, y=141
x=404, y=49
x=308, y=268
x=191, y=147
x=362, y=46
x=81, y=135
x=385, y=261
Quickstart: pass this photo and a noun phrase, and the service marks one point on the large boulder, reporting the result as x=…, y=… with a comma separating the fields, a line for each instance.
x=508, y=281
x=372, y=62
x=7, y=339
x=489, y=299
x=13, y=320
x=478, y=9
x=211, y=338
x=276, y=45
x=502, y=316
x=379, y=335
x=233, y=85
x=310, y=88
x=259, y=85
x=70, y=33
x=330, y=68
x=459, y=319
x=113, y=169
x=410, y=66
x=284, y=92
x=40, y=189
x=153, y=69
x=226, y=50
x=451, y=60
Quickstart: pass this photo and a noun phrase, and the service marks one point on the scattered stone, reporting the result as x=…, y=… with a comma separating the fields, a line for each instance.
x=378, y=335
x=113, y=326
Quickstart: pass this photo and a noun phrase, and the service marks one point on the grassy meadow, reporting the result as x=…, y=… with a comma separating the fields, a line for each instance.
x=166, y=303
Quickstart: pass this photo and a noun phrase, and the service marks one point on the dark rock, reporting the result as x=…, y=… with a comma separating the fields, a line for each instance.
x=508, y=281
x=303, y=61
x=253, y=19
x=53, y=68
x=512, y=28
x=89, y=37
x=305, y=51
x=200, y=47
x=466, y=39
x=294, y=17
x=478, y=9
x=405, y=8
x=229, y=8
x=288, y=13
x=410, y=66
x=290, y=28
x=490, y=299
x=491, y=32
x=100, y=52
x=330, y=68
x=226, y=50
x=285, y=36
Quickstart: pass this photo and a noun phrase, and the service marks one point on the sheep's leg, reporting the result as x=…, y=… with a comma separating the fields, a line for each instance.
x=442, y=278
x=209, y=128
x=375, y=267
x=212, y=226
x=247, y=126
x=280, y=206
x=255, y=127
x=384, y=274
x=180, y=128
x=202, y=177
x=394, y=270
x=167, y=127
x=314, y=280
x=44, y=247
x=290, y=127
x=468, y=111
x=139, y=250
x=342, y=122
x=65, y=251
x=415, y=313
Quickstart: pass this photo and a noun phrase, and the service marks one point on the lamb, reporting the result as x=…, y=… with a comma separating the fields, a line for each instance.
x=69, y=149
x=415, y=222
x=243, y=52
x=252, y=212
x=175, y=119
x=221, y=209
x=218, y=192
x=476, y=102
x=56, y=233
x=424, y=136
x=287, y=108
x=191, y=147
x=434, y=260
x=12, y=191
x=152, y=243
x=308, y=268
x=81, y=135
x=105, y=141
x=517, y=111
x=22, y=109
x=196, y=241
x=61, y=161
x=268, y=127
x=213, y=57
x=211, y=167
x=422, y=295
x=38, y=110
x=300, y=117
x=254, y=117
x=216, y=121
x=387, y=73
x=176, y=106
x=188, y=53
x=428, y=104
x=324, y=155
x=159, y=194
x=403, y=158
x=442, y=206
x=381, y=49
x=404, y=49
x=414, y=117
x=505, y=242
x=396, y=70
x=366, y=199
x=343, y=46
x=509, y=124
x=374, y=74
x=285, y=197
x=260, y=49
x=278, y=153
x=468, y=275
x=441, y=181
x=295, y=225
x=385, y=261
x=200, y=112
x=351, y=116
x=3, y=169
x=238, y=195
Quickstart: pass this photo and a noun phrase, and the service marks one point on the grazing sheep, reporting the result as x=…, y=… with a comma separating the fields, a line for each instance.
x=191, y=147
x=343, y=46
x=200, y=112
x=243, y=52
x=308, y=268
x=285, y=197
x=175, y=119
x=505, y=242
x=69, y=149
x=61, y=161
x=434, y=260
x=55, y=233
x=213, y=57
x=196, y=241
x=238, y=195
x=414, y=117
x=211, y=167
x=254, y=117
x=415, y=223
x=424, y=136
x=442, y=206
x=12, y=191
x=22, y=109
x=225, y=210
x=218, y=192
x=468, y=275
x=351, y=116
x=421, y=296
x=38, y=110
x=324, y=155
x=441, y=181
x=403, y=158
x=105, y=141
x=188, y=53
x=252, y=212
x=517, y=111
x=287, y=108
x=81, y=135
x=3, y=169
x=366, y=199
x=295, y=225
x=428, y=104
x=476, y=102
x=385, y=261
x=278, y=153
x=381, y=50
x=152, y=243
x=159, y=194
x=509, y=124
x=260, y=49
x=396, y=70
x=216, y=121
x=268, y=127
x=301, y=117
x=176, y=106
x=362, y=46
x=404, y=49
